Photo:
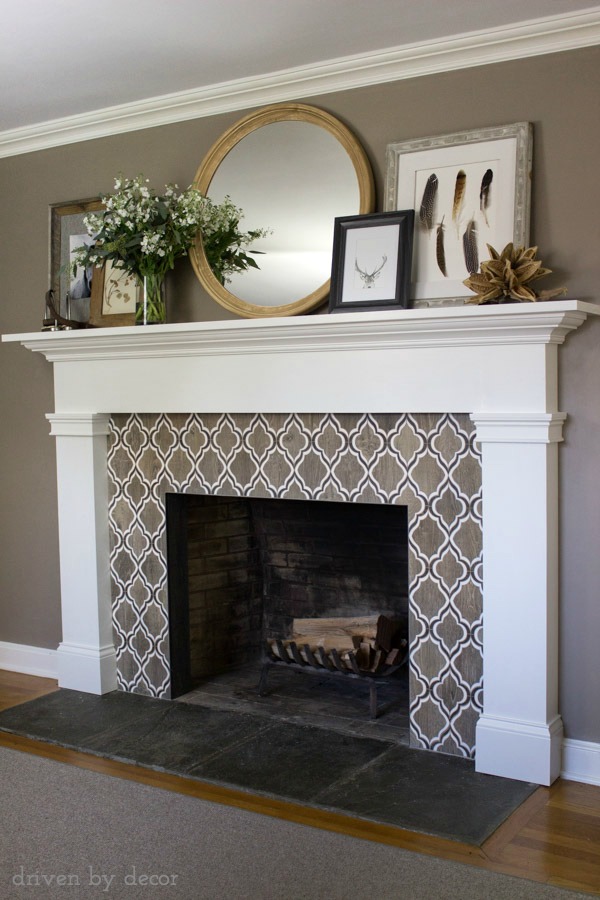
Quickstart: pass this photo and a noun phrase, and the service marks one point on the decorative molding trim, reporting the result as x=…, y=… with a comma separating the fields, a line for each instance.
x=458, y=326
x=581, y=761
x=535, y=37
x=78, y=424
x=519, y=428
x=28, y=660
x=86, y=667
x=528, y=751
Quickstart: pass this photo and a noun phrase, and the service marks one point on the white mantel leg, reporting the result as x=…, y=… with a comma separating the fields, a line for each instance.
x=520, y=732
x=86, y=655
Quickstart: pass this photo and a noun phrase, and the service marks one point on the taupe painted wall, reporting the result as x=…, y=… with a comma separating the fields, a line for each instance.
x=559, y=94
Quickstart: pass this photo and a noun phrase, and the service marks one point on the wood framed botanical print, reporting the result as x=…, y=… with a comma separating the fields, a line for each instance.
x=114, y=297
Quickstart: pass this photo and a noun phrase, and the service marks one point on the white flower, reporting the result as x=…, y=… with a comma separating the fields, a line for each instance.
x=144, y=233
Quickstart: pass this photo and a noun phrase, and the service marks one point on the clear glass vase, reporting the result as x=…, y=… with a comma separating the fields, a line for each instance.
x=151, y=307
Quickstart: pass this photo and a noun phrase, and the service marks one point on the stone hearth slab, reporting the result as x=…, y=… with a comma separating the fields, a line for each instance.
x=374, y=779
x=292, y=761
x=178, y=739
x=428, y=792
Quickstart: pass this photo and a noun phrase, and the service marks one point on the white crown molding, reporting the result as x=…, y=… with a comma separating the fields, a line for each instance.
x=533, y=38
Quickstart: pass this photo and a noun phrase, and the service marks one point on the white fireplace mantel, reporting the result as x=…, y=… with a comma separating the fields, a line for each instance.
x=498, y=363
x=440, y=359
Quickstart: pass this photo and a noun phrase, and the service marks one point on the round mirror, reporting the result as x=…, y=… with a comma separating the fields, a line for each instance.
x=292, y=169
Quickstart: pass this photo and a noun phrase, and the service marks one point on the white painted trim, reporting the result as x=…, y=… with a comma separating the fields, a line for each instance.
x=28, y=660
x=430, y=328
x=86, y=655
x=551, y=34
x=81, y=667
x=581, y=761
x=91, y=668
x=77, y=424
x=351, y=362
x=527, y=751
x=526, y=428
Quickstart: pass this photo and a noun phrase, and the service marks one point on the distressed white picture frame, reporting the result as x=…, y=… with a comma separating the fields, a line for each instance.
x=506, y=150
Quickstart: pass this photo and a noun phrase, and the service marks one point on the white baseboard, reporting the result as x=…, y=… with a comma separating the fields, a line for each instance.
x=85, y=668
x=28, y=660
x=527, y=751
x=581, y=761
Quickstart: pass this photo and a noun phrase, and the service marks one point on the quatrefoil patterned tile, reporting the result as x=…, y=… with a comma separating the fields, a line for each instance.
x=427, y=462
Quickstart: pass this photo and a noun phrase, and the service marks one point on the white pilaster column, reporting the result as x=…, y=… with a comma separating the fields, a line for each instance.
x=86, y=655
x=520, y=732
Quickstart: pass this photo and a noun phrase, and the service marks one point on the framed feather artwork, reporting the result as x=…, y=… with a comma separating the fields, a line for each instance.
x=467, y=190
x=372, y=256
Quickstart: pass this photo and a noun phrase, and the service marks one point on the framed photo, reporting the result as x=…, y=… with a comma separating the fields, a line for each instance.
x=371, y=261
x=468, y=190
x=67, y=232
x=114, y=297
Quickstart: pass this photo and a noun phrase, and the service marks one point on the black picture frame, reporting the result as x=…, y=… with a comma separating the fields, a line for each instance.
x=372, y=258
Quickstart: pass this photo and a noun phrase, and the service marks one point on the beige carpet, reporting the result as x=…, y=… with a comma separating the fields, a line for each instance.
x=71, y=833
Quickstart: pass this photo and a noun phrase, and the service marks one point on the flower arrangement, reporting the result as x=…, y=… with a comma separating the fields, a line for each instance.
x=144, y=233
x=506, y=277
x=224, y=244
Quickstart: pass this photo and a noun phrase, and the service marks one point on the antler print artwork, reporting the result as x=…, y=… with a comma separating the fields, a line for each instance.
x=369, y=278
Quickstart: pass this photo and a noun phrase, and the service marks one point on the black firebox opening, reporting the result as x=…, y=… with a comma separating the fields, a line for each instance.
x=240, y=570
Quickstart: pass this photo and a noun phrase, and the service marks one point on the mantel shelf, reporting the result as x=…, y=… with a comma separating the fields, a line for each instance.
x=473, y=359
x=547, y=322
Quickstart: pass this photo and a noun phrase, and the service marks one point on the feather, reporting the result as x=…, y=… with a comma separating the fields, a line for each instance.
x=459, y=196
x=440, y=253
x=470, y=248
x=485, y=193
x=428, y=202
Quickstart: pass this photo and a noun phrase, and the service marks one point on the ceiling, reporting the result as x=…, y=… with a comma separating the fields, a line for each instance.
x=67, y=58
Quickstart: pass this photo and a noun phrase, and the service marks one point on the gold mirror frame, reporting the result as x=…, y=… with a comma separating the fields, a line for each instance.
x=284, y=112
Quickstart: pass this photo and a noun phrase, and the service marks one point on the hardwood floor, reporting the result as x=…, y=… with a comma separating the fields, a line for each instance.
x=16, y=688
x=553, y=838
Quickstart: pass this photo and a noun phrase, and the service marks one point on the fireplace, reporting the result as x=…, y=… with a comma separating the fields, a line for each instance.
x=494, y=366
x=426, y=463
x=242, y=570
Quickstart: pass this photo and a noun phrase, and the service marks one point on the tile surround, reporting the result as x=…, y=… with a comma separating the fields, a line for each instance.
x=428, y=462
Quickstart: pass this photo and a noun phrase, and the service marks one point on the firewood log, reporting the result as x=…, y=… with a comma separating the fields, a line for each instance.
x=335, y=633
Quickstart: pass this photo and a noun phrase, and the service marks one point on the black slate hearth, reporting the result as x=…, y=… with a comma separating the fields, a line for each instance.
x=370, y=777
